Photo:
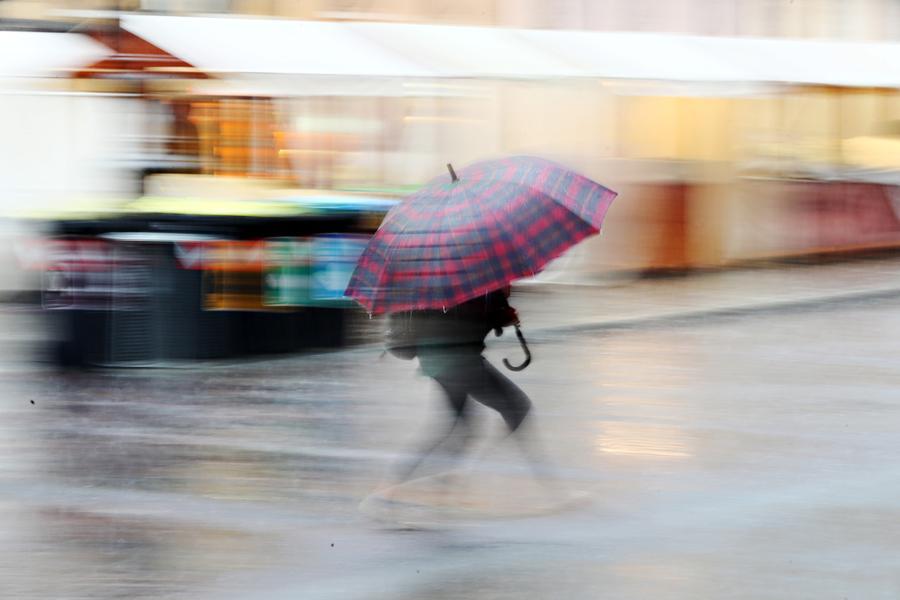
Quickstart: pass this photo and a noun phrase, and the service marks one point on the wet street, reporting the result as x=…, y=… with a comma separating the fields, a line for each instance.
x=738, y=457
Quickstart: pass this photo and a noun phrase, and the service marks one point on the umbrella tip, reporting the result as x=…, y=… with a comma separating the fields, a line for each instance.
x=452, y=173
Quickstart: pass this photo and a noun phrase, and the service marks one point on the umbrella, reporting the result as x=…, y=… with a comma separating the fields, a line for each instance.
x=465, y=235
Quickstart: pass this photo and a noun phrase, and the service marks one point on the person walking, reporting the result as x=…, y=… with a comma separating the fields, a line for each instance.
x=441, y=264
x=449, y=346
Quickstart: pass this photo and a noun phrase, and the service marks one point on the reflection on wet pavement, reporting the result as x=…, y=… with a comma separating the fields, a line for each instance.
x=747, y=457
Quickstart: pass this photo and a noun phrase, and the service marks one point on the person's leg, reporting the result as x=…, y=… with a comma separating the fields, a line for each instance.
x=497, y=391
x=456, y=396
x=493, y=389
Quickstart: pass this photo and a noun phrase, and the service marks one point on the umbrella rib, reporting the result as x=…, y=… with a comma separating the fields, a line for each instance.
x=387, y=256
x=467, y=198
x=562, y=201
x=483, y=243
x=399, y=235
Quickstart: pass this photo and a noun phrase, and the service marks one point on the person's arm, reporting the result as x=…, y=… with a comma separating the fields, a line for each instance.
x=500, y=313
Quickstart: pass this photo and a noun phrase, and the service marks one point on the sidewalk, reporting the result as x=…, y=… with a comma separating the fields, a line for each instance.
x=549, y=309
x=558, y=308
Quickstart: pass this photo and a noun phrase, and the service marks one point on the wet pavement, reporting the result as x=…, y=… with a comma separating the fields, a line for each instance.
x=749, y=456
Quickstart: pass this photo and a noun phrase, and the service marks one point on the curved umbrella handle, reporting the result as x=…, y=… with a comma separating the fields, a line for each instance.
x=525, y=349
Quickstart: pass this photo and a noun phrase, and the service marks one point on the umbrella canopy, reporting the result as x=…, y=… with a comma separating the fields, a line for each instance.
x=466, y=235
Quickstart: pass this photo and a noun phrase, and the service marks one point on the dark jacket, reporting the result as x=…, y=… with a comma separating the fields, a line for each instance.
x=444, y=339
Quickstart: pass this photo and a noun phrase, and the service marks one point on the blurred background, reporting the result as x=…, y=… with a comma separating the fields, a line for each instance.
x=200, y=132
x=188, y=183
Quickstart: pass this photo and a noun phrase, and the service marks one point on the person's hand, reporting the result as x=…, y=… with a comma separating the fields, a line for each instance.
x=506, y=317
x=510, y=317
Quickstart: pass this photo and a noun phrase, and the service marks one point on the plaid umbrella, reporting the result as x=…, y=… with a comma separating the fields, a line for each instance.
x=460, y=237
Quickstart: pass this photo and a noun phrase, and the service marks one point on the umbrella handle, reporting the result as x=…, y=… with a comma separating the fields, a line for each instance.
x=525, y=349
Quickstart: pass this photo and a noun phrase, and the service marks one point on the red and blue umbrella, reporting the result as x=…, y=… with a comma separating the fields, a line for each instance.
x=465, y=235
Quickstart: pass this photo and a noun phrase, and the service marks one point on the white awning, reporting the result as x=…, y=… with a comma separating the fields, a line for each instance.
x=815, y=62
x=41, y=54
x=231, y=45
x=458, y=51
x=669, y=57
x=643, y=56
x=242, y=46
